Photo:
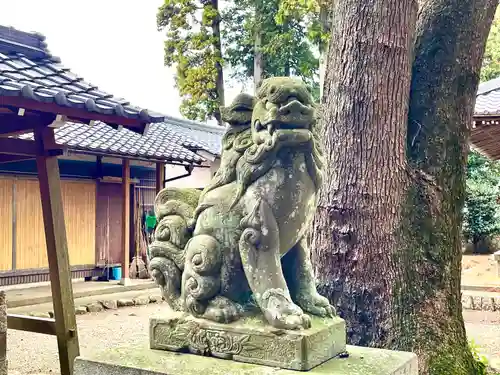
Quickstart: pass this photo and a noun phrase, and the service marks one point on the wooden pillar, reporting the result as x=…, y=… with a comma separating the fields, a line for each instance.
x=125, y=222
x=57, y=251
x=160, y=176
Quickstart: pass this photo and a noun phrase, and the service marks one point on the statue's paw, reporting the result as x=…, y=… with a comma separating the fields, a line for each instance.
x=293, y=322
x=282, y=313
x=316, y=304
x=222, y=310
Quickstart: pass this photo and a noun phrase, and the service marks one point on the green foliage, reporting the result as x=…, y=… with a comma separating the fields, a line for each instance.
x=481, y=361
x=313, y=13
x=285, y=45
x=193, y=46
x=481, y=211
x=491, y=61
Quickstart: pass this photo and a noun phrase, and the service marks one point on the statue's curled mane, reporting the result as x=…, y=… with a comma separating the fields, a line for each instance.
x=244, y=161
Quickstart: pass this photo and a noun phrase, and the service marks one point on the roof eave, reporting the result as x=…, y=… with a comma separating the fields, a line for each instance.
x=135, y=123
x=74, y=150
x=207, y=155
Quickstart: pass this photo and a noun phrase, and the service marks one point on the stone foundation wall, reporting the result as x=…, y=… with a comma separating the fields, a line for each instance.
x=477, y=301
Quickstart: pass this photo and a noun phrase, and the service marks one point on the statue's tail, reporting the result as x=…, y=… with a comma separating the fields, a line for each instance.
x=174, y=209
x=201, y=276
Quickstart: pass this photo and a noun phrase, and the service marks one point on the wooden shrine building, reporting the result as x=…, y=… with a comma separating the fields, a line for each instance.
x=91, y=185
x=485, y=133
x=39, y=95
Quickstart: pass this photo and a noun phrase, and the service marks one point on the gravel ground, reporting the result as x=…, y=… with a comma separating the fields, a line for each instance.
x=31, y=353
x=484, y=328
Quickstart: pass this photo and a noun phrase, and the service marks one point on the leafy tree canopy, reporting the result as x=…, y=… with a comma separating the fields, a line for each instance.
x=481, y=211
x=191, y=46
x=314, y=14
x=491, y=61
x=285, y=43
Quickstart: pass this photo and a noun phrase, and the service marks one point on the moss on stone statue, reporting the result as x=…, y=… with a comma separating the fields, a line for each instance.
x=186, y=195
x=216, y=250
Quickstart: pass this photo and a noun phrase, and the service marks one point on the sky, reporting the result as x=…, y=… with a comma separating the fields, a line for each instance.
x=112, y=44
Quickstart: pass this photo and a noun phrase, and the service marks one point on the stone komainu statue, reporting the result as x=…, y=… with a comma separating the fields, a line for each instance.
x=241, y=243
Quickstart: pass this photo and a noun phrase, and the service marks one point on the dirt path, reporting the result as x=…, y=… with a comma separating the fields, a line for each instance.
x=30, y=353
x=479, y=270
x=484, y=328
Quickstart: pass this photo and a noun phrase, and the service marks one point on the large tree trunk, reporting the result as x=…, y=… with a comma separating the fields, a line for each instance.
x=258, y=60
x=366, y=107
x=258, y=57
x=387, y=233
x=219, y=84
x=451, y=37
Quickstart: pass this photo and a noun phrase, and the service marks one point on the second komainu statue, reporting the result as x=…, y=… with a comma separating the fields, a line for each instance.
x=240, y=244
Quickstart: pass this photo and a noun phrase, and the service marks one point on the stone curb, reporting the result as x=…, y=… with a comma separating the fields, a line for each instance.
x=481, y=288
x=21, y=302
x=481, y=303
x=106, y=304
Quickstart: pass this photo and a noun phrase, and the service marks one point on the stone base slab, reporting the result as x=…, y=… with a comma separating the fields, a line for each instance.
x=250, y=340
x=133, y=360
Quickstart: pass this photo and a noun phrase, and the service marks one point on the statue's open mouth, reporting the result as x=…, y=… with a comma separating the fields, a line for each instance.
x=241, y=107
x=290, y=115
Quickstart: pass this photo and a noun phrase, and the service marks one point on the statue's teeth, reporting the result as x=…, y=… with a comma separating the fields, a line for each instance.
x=270, y=105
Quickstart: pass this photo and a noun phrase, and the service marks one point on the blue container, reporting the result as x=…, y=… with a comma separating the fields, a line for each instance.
x=116, y=273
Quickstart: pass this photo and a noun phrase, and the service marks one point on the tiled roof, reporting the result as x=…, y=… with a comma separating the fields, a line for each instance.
x=103, y=139
x=488, y=98
x=193, y=135
x=28, y=70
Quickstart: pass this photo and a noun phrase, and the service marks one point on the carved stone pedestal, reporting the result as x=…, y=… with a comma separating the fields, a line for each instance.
x=134, y=360
x=250, y=340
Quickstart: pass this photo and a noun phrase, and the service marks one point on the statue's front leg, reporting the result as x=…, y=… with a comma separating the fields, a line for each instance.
x=260, y=255
x=299, y=275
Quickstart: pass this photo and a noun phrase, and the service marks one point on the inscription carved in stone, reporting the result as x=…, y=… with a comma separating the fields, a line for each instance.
x=250, y=340
x=205, y=341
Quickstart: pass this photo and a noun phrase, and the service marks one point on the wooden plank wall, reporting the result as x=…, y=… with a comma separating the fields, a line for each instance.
x=79, y=199
x=108, y=222
x=6, y=225
x=31, y=252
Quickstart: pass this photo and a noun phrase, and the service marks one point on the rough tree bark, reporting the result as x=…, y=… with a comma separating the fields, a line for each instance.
x=258, y=57
x=387, y=233
x=451, y=38
x=258, y=60
x=219, y=84
x=367, y=87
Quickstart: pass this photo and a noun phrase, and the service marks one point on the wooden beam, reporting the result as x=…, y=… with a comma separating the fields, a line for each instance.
x=73, y=113
x=125, y=222
x=13, y=124
x=160, y=176
x=24, y=147
x=13, y=158
x=57, y=252
x=46, y=326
